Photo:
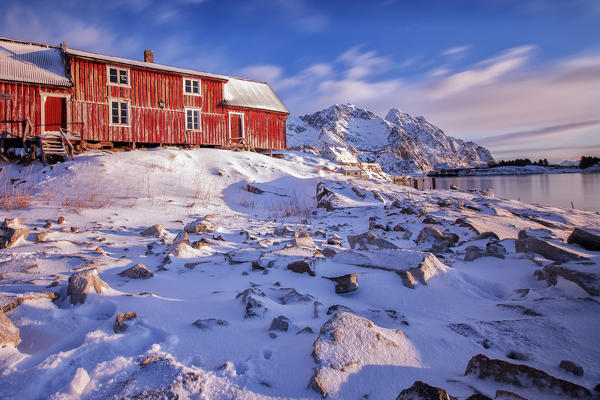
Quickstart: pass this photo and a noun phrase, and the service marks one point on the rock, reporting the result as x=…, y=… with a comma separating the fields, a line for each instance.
x=413, y=266
x=248, y=254
x=209, y=323
x=42, y=237
x=303, y=239
x=587, y=238
x=253, y=306
x=10, y=301
x=516, y=355
x=83, y=282
x=345, y=283
x=285, y=231
x=495, y=249
x=155, y=230
x=120, y=325
x=280, y=323
x=507, y=395
x=325, y=197
x=9, y=333
x=253, y=189
x=521, y=375
x=301, y=267
x=333, y=242
x=74, y=229
x=432, y=234
x=487, y=192
x=479, y=396
x=347, y=342
x=292, y=296
x=328, y=252
x=453, y=187
x=182, y=237
x=423, y=391
x=431, y=220
x=586, y=277
x=60, y=220
x=48, y=224
x=11, y=231
x=486, y=235
x=473, y=253
x=550, y=251
x=308, y=329
x=202, y=225
x=369, y=240
x=571, y=367
x=138, y=271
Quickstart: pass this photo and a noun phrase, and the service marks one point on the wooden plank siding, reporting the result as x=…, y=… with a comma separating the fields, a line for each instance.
x=263, y=129
x=25, y=102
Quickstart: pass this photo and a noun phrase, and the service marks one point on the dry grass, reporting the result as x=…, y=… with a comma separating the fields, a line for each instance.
x=18, y=194
x=293, y=206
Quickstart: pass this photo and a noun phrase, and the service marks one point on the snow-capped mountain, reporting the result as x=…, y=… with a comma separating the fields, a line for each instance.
x=402, y=144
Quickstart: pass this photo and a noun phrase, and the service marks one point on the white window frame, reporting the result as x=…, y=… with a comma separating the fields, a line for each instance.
x=192, y=80
x=187, y=128
x=111, y=100
x=241, y=114
x=119, y=69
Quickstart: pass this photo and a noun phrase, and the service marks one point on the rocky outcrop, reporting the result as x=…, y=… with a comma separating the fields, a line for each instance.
x=120, y=325
x=280, y=323
x=252, y=305
x=209, y=323
x=347, y=342
x=585, y=276
x=301, y=267
x=589, y=239
x=138, y=271
x=9, y=333
x=369, y=240
x=433, y=235
x=156, y=230
x=345, y=283
x=84, y=282
x=571, y=367
x=9, y=301
x=522, y=375
x=202, y=225
x=11, y=231
x=423, y=391
x=529, y=243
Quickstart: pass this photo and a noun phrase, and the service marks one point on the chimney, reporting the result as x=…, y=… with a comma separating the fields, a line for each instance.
x=148, y=56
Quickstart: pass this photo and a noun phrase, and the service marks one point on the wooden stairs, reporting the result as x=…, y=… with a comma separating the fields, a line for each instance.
x=56, y=143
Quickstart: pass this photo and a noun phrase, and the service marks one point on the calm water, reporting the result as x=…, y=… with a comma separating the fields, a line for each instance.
x=549, y=189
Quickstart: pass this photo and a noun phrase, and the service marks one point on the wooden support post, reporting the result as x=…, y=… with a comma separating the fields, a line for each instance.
x=433, y=183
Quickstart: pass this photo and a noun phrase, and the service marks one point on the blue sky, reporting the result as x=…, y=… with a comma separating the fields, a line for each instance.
x=519, y=77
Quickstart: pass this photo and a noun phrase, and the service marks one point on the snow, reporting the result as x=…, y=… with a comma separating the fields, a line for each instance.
x=72, y=351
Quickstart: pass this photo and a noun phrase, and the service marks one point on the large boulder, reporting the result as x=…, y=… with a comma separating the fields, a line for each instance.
x=522, y=375
x=138, y=271
x=83, y=282
x=423, y=391
x=414, y=267
x=585, y=276
x=369, y=240
x=156, y=230
x=345, y=283
x=246, y=254
x=587, y=238
x=529, y=243
x=202, y=225
x=11, y=231
x=433, y=235
x=346, y=343
x=9, y=333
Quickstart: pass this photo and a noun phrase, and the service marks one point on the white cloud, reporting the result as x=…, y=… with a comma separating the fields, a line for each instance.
x=456, y=51
x=362, y=65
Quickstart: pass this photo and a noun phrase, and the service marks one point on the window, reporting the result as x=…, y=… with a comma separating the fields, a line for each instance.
x=119, y=113
x=118, y=76
x=191, y=86
x=192, y=119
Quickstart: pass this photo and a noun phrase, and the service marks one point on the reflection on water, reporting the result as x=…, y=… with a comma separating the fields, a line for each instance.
x=559, y=190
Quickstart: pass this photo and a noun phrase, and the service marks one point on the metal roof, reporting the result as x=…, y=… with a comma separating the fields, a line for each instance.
x=33, y=63
x=143, y=64
x=252, y=94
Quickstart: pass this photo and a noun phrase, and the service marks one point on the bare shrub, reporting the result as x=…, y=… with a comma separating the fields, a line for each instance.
x=18, y=194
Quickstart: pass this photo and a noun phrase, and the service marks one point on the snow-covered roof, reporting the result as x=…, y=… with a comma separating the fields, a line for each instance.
x=144, y=64
x=33, y=63
x=252, y=94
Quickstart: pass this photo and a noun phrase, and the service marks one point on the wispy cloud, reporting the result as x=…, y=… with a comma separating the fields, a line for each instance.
x=362, y=64
x=540, y=132
x=455, y=51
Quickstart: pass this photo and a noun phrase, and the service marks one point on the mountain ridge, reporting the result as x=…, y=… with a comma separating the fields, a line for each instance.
x=400, y=143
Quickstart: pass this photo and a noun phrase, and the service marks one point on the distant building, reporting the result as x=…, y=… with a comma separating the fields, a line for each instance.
x=350, y=170
x=100, y=98
x=339, y=155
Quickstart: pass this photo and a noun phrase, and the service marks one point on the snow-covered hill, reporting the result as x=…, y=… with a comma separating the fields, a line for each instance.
x=402, y=144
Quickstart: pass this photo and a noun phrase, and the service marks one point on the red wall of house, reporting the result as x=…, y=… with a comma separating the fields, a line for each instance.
x=26, y=102
x=263, y=129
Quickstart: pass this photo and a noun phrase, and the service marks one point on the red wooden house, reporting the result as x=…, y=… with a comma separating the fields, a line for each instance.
x=120, y=101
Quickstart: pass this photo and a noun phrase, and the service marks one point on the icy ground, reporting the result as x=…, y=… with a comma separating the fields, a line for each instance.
x=379, y=339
